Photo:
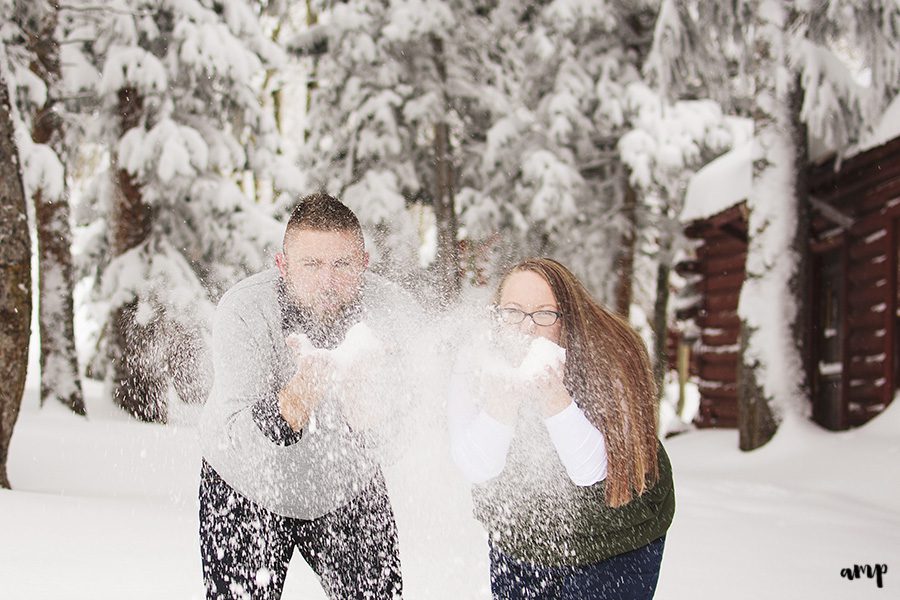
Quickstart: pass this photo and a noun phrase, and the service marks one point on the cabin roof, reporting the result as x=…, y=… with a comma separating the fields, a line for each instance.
x=720, y=184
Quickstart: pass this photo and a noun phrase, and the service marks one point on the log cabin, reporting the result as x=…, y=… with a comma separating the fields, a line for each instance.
x=854, y=239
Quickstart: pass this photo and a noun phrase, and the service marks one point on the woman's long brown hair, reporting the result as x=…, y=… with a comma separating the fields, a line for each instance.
x=608, y=374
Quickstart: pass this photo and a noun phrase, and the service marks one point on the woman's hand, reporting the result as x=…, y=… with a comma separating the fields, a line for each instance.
x=502, y=396
x=554, y=397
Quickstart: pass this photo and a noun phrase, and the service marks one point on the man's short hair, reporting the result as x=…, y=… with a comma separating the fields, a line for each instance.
x=321, y=212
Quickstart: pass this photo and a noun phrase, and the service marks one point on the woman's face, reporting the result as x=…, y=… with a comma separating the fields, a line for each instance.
x=528, y=292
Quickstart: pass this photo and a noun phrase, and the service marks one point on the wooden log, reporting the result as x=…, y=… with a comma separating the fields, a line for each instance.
x=867, y=274
x=722, y=301
x=726, y=264
x=825, y=175
x=721, y=319
x=866, y=344
x=725, y=283
x=868, y=295
x=697, y=230
x=860, y=414
x=718, y=372
x=865, y=369
x=867, y=225
x=719, y=358
x=714, y=412
x=725, y=337
x=733, y=215
x=721, y=392
x=865, y=318
x=867, y=250
x=878, y=194
x=724, y=411
x=842, y=188
x=721, y=245
x=890, y=342
x=867, y=391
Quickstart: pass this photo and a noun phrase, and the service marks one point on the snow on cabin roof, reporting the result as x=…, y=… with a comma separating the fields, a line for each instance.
x=721, y=184
x=888, y=128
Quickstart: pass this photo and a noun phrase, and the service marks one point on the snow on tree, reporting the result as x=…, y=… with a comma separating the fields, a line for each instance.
x=546, y=171
x=34, y=53
x=372, y=117
x=178, y=119
x=503, y=109
x=665, y=146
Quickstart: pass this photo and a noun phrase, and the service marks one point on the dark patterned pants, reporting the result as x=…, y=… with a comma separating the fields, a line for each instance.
x=246, y=549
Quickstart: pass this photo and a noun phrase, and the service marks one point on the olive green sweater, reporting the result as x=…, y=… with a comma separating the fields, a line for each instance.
x=534, y=513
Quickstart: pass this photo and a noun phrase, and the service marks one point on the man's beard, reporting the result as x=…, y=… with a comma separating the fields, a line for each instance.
x=325, y=329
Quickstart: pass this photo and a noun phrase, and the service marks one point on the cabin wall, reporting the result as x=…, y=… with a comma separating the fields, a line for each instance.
x=854, y=295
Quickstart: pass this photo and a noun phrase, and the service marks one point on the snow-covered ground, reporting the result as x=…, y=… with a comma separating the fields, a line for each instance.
x=106, y=508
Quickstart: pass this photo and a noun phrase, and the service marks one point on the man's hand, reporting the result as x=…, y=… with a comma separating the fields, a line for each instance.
x=366, y=388
x=301, y=395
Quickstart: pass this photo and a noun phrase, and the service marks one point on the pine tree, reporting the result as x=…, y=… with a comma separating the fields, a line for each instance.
x=667, y=143
x=177, y=105
x=369, y=136
x=547, y=172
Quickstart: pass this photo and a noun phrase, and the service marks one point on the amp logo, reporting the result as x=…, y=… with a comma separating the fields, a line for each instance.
x=875, y=572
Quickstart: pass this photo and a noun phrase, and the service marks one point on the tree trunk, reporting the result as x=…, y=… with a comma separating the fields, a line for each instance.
x=626, y=256
x=312, y=79
x=60, y=379
x=660, y=315
x=640, y=21
x=448, y=266
x=800, y=282
x=771, y=372
x=136, y=387
x=756, y=420
x=445, y=215
x=15, y=278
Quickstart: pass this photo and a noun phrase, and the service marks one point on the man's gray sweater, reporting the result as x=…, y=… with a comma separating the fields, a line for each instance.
x=302, y=475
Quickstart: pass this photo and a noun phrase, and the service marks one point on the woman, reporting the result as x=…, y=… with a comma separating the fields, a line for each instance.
x=571, y=482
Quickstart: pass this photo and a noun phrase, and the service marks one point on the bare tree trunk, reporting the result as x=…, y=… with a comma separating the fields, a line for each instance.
x=15, y=279
x=445, y=214
x=136, y=388
x=626, y=255
x=661, y=313
x=444, y=204
x=640, y=21
x=756, y=420
x=800, y=282
x=60, y=379
x=312, y=81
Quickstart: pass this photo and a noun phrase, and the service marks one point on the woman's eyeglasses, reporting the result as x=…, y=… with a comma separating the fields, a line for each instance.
x=514, y=316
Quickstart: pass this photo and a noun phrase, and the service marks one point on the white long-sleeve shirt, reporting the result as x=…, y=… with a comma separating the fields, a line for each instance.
x=480, y=443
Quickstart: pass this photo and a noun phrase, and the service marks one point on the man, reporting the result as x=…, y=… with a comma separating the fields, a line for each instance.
x=284, y=464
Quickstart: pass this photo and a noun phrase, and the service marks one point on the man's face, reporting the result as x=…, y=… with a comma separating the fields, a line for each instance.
x=322, y=270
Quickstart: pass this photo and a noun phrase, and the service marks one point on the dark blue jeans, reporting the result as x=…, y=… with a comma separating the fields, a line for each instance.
x=629, y=576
